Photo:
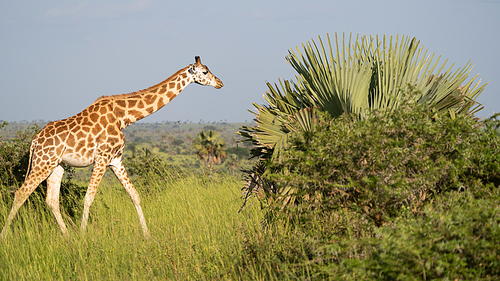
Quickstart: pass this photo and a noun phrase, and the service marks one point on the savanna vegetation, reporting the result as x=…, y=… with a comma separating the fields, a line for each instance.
x=171, y=141
x=371, y=166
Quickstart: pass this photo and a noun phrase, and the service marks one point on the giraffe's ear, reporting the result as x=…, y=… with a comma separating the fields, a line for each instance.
x=197, y=59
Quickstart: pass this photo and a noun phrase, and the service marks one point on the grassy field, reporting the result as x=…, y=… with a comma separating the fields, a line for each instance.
x=451, y=233
x=196, y=234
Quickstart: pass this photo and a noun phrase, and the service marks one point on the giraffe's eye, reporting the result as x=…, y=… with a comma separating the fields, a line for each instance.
x=205, y=72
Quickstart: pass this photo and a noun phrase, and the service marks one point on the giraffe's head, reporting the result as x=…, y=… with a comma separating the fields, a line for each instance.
x=202, y=75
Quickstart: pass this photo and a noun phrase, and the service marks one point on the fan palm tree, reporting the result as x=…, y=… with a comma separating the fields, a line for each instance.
x=355, y=76
x=365, y=74
x=210, y=147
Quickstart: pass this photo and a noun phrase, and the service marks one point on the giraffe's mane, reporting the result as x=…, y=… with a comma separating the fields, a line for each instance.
x=132, y=94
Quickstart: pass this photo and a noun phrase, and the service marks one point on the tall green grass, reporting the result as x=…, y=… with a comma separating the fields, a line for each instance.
x=196, y=234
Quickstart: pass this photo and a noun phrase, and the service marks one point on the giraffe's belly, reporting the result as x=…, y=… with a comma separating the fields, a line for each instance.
x=77, y=160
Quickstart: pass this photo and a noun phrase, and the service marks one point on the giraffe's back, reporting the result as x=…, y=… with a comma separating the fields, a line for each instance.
x=76, y=140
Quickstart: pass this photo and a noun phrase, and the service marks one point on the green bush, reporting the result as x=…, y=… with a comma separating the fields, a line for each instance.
x=400, y=195
x=458, y=236
x=388, y=162
x=150, y=169
x=14, y=157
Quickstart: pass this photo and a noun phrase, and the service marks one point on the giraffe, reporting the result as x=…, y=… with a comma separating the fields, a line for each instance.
x=94, y=136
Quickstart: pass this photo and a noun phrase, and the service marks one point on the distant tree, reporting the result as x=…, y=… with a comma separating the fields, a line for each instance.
x=177, y=142
x=210, y=146
x=209, y=128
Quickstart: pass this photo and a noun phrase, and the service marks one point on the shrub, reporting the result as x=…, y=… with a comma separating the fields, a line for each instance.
x=148, y=167
x=399, y=195
x=380, y=165
x=457, y=237
x=14, y=156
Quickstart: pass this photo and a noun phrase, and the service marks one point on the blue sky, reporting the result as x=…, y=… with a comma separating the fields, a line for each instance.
x=57, y=57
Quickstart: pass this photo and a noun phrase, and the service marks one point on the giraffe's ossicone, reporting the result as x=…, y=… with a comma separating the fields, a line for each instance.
x=94, y=136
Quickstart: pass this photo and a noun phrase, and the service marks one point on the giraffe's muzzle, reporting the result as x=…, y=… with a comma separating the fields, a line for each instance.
x=219, y=84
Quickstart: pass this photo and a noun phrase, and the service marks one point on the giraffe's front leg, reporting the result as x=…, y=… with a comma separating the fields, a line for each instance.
x=99, y=169
x=120, y=172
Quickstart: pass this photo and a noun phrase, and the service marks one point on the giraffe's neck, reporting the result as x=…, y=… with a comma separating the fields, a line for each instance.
x=132, y=107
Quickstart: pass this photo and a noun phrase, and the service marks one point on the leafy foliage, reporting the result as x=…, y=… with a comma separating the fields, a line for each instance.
x=398, y=195
x=454, y=237
x=149, y=168
x=457, y=237
x=387, y=161
x=370, y=73
x=210, y=147
x=356, y=76
x=14, y=157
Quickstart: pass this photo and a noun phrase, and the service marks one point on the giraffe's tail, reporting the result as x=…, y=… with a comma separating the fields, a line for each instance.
x=30, y=159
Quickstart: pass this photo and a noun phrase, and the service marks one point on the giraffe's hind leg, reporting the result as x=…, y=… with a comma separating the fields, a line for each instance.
x=53, y=190
x=34, y=178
